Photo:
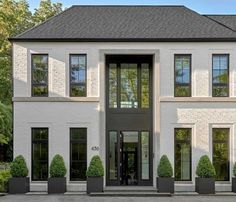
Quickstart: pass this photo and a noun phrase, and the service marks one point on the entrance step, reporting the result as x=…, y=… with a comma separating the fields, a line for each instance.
x=131, y=191
x=131, y=194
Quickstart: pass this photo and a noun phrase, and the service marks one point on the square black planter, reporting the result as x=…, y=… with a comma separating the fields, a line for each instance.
x=165, y=185
x=234, y=184
x=94, y=184
x=19, y=185
x=205, y=185
x=56, y=185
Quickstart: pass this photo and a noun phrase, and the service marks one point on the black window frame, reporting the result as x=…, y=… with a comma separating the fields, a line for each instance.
x=70, y=80
x=78, y=141
x=228, y=61
x=39, y=142
x=139, y=60
x=190, y=74
x=228, y=145
x=32, y=81
x=183, y=141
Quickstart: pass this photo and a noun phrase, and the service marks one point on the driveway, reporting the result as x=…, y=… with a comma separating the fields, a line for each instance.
x=85, y=198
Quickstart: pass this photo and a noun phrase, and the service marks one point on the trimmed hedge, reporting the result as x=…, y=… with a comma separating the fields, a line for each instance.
x=164, y=168
x=205, y=169
x=57, y=167
x=4, y=178
x=19, y=167
x=234, y=169
x=95, y=168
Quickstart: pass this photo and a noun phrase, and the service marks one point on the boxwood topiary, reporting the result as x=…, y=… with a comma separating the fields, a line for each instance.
x=234, y=169
x=164, y=168
x=19, y=167
x=95, y=168
x=205, y=169
x=57, y=167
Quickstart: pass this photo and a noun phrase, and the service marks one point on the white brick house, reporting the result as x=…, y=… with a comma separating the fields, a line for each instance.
x=123, y=82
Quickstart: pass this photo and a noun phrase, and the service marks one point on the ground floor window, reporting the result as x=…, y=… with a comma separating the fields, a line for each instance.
x=183, y=154
x=78, y=154
x=40, y=154
x=220, y=137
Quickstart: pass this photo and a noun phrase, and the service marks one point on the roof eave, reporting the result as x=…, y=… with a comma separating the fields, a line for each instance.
x=122, y=39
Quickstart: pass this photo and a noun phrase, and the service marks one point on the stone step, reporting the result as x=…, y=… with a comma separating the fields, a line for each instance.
x=129, y=189
x=131, y=194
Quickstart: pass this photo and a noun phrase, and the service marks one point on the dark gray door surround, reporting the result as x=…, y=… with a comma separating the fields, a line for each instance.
x=129, y=119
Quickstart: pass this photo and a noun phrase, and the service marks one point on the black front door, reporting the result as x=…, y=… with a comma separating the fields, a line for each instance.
x=129, y=119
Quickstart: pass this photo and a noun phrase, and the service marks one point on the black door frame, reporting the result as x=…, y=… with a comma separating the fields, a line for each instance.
x=143, y=116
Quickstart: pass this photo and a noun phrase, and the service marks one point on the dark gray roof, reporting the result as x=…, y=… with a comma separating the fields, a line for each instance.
x=128, y=23
x=226, y=20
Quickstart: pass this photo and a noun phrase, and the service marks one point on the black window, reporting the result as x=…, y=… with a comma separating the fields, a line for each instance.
x=39, y=75
x=40, y=154
x=182, y=76
x=183, y=154
x=78, y=75
x=78, y=154
x=220, y=75
x=220, y=138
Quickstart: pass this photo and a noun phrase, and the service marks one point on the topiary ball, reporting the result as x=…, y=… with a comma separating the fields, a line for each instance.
x=57, y=167
x=164, y=168
x=19, y=167
x=205, y=169
x=95, y=168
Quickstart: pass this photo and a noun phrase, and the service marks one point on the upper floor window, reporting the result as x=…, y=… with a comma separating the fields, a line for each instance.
x=220, y=75
x=182, y=75
x=39, y=75
x=78, y=75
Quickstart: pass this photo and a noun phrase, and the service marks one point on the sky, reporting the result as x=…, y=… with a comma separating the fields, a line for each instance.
x=201, y=6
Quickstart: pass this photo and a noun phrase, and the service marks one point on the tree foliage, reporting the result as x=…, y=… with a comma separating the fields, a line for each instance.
x=46, y=10
x=5, y=123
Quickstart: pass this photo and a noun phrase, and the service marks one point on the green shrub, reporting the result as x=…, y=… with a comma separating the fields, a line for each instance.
x=4, y=177
x=19, y=167
x=234, y=169
x=205, y=169
x=5, y=165
x=95, y=168
x=164, y=168
x=57, y=167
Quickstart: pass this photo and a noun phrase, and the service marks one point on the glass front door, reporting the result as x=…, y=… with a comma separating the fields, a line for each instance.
x=129, y=157
x=129, y=120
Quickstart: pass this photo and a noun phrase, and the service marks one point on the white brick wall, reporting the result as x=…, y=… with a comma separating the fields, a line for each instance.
x=59, y=116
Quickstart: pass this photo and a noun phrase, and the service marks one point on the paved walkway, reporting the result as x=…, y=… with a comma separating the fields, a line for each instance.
x=85, y=198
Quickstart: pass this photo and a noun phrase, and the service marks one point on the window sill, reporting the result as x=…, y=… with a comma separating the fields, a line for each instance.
x=197, y=99
x=55, y=99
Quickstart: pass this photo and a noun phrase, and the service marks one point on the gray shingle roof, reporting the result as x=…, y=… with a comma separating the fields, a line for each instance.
x=227, y=20
x=128, y=23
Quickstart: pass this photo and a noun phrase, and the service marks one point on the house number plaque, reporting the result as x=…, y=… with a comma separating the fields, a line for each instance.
x=95, y=148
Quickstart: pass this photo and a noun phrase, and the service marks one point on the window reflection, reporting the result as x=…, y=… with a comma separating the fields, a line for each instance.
x=182, y=75
x=220, y=78
x=221, y=153
x=183, y=154
x=77, y=75
x=129, y=86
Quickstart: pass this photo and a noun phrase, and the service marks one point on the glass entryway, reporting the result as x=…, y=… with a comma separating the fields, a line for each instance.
x=129, y=120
